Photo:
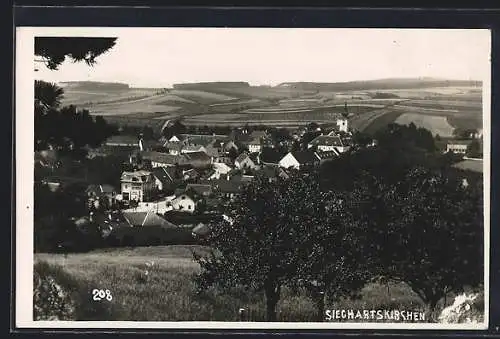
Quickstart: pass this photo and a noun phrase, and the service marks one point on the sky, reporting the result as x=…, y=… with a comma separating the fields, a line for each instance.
x=160, y=57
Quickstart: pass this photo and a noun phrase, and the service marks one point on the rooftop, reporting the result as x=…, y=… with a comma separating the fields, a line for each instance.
x=146, y=219
x=326, y=140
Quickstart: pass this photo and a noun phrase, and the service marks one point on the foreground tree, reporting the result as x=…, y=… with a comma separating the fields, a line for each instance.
x=428, y=232
x=54, y=50
x=287, y=233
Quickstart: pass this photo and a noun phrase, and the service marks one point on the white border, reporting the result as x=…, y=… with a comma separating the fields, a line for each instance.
x=24, y=204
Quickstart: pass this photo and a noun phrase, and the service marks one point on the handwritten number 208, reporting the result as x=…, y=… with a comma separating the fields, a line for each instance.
x=98, y=295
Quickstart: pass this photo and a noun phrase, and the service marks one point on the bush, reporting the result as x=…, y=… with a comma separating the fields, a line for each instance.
x=51, y=301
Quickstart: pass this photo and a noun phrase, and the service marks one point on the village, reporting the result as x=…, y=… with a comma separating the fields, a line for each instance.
x=186, y=180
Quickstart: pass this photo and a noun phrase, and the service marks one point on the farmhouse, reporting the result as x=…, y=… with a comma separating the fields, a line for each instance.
x=299, y=160
x=327, y=143
x=137, y=186
x=458, y=146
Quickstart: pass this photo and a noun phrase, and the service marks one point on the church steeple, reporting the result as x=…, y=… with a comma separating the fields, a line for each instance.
x=345, y=114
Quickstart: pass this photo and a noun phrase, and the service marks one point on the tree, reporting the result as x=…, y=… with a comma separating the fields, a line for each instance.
x=54, y=50
x=47, y=95
x=280, y=234
x=427, y=231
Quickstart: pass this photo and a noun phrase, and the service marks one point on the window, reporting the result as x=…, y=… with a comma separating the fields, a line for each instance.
x=189, y=207
x=126, y=196
x=183, y=197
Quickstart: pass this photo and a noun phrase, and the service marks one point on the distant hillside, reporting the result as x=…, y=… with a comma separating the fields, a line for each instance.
x=207, y=86
x=93, y=85
x=377, y=84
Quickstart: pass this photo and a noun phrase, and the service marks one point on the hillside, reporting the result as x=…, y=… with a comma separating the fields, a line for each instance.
x=93, y=85
x=378, y=84
x=211, y=85
x=438, y=104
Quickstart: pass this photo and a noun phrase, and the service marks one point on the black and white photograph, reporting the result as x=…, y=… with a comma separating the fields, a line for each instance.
x=240, y=178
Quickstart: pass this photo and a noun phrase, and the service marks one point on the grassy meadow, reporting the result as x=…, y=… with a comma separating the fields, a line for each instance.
x=167, y=291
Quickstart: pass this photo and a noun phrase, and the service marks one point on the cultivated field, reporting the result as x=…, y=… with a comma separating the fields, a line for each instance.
x=437, y=125
x=288, y=106
x=167, y=292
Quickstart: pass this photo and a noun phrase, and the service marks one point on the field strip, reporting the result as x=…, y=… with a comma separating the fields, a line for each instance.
x=417, y=108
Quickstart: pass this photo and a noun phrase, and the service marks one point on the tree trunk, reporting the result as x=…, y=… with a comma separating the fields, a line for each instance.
x=272, y=298
x=319, y=300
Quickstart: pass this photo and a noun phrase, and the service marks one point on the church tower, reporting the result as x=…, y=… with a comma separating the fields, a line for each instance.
x=342, y=123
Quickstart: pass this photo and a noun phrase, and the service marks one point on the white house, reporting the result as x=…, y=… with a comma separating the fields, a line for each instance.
x=219, y=169
x=138, y=185
x=174, y=139
x=299, y=159
x=458, y=146
x=244, y=161
x=182, y=203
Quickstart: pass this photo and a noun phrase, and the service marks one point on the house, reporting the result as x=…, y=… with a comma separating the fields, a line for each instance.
x=222, y=159
x=327, y=143
x=219, y=169
x=137, y=186
x=159, y=159
x=183, y=203
x=123, y=141
x=164, y=178
x=299, y=159
x=174, y=138
x=327, y=156
x=192, y=149
x=173, y=148
x=228, y=188
x=244, y=161
x=190, y=174
x=458, y=146
x=255, y=145
x=145, y=219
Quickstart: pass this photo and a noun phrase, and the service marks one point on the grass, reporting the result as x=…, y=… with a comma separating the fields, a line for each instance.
x=435, y=124
x=167, y=292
